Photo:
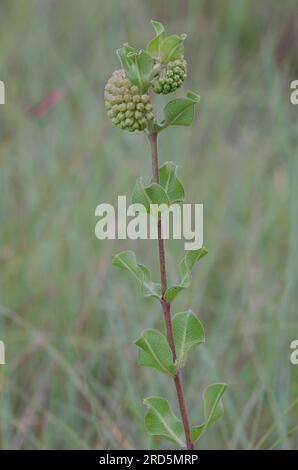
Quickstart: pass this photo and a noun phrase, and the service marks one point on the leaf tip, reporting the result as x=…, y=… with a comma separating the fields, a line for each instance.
x=204, y=251
x=223, y=386
x=193, y=96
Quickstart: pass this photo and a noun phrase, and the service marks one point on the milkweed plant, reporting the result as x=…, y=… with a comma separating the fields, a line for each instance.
x=162, y=69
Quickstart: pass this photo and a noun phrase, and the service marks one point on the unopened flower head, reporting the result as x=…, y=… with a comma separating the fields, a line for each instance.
x=170, y=77
x=126, y=105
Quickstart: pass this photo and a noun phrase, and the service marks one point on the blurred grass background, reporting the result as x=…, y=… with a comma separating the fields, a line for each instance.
x=67, y=317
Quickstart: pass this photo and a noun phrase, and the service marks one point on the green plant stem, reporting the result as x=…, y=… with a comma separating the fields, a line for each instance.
x=166, y=306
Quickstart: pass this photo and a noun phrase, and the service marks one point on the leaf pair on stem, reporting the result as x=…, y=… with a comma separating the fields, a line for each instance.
x=155, y=352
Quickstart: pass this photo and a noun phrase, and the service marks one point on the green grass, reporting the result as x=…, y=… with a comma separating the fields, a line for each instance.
x=67, y=317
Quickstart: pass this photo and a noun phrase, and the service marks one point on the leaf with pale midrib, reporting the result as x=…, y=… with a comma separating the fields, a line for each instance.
x=155, y=352
x=186, y=265
x=160, y=421
x=127, y=261
x=188, y=333
x=179, y=112
x=170, y=183
x=213, y=408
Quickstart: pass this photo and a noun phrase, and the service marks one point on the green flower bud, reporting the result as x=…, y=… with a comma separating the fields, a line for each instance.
x=138, y=115
x=126, y=106
x=170, y=77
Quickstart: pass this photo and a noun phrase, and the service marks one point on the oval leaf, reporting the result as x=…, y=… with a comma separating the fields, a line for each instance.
x=179, y=112
x=172, y=48
x=188, y=333
x=122, y=54
x=186, y=265
x=160, y=421
x=149, y=195
x=158, y=27
x=213, y=408
x=127, y=260
x=154, y=46
x=155, y=352
x=139, y=69
x=171, y=184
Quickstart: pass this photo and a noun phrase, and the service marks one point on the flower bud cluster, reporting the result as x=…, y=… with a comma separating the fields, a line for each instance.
x=170, y=78
x=126, y=105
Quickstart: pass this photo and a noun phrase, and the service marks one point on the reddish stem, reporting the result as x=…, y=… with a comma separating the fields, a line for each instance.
x=166, y=306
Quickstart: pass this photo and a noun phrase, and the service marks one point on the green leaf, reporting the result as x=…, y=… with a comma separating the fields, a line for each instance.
x=213, y=408
x=165, y=48
x=154, y=443
x=150, y=289
x=188, y=333
x=171, y=184
x=179, y=112
x=122, y=54
x=172, y=48
x=148, y=195
x=140, y=68
x=196, y=432
x=127, y=260
x=153, y=47
x=186, y=265
x=158, y=27
x=160, y=421
x=155, y=352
